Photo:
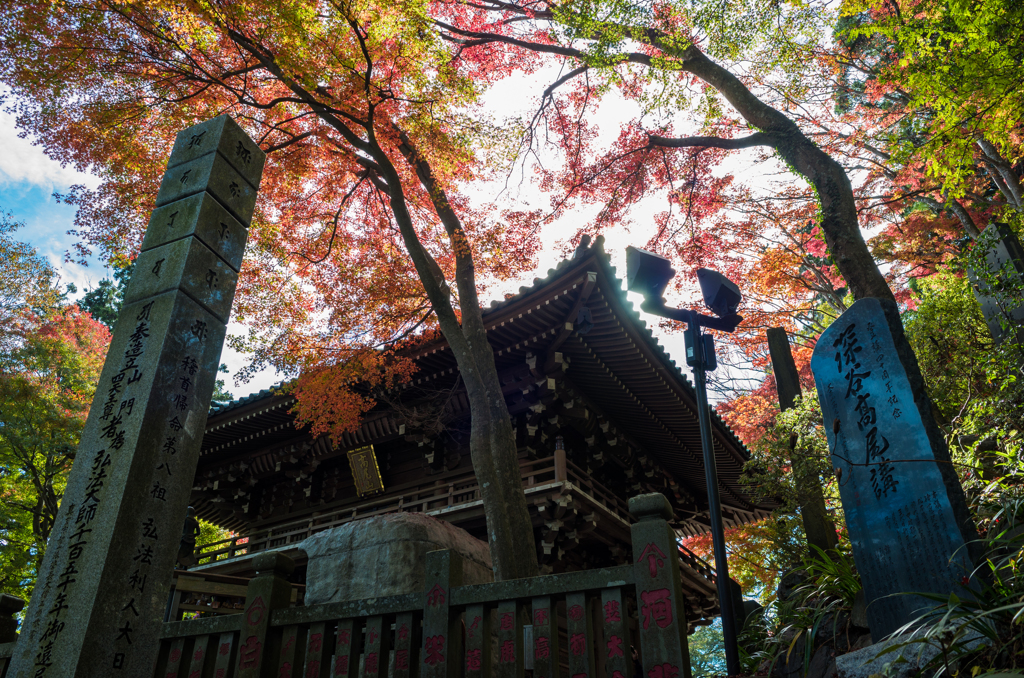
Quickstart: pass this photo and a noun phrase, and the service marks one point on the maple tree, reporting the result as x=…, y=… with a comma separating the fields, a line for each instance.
x=50, y=361
x=363, y=236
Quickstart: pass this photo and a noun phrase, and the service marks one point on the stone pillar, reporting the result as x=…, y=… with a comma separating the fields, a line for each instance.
x=442, y=631
x=659, y=590
x=99, y=600
x=269, y=591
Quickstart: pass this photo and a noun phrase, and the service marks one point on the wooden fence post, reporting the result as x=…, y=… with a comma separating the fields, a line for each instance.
x=269, y=591
x=663, y=645
x=442, y=634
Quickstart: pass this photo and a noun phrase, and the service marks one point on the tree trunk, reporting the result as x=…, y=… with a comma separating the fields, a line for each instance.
x=840, y=226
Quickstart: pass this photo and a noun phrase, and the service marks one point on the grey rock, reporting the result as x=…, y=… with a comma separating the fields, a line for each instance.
x=866, y=662
x=190, y=266
x=223, y=136
x=214, y=174
x=385, y=555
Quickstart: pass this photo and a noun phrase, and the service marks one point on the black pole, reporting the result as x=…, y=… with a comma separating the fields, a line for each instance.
x=699, y=362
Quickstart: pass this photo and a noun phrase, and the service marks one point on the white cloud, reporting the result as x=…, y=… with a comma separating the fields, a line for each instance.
x=23, y=161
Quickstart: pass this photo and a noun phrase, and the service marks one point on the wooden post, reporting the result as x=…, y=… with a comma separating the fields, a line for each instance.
x=442, y=634
x=659, y=591
x=561, y=473
x=267, y=592
x=820, y=531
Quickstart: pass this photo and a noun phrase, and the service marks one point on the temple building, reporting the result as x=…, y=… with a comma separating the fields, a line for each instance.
x=600, y=411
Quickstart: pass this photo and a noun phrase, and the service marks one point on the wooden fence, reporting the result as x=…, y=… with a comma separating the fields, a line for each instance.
x=584, y=624
x=576, y=625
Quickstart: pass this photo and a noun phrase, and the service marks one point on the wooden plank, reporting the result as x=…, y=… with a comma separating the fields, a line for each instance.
x=198, y=660
x=377, y=648
x=478, y=642
x=407, y=644
x=225, y=655
x=442, y=631
x=288, y=660
x=580, y=636
x=174, y=658
x=545, y=638
x=547, y=585
x=616, y=652
x=347, y=646
x=510, y=641
x=319, y=644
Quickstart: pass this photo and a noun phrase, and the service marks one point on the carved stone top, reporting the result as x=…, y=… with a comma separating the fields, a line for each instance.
x=650, y=507
x=273, y=562
x=220, y=134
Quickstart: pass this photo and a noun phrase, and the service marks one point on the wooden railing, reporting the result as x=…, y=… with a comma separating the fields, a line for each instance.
x=582, y=623
x=444, y=494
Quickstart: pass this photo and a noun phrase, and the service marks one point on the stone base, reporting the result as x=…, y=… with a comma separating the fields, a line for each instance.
x=384, y=556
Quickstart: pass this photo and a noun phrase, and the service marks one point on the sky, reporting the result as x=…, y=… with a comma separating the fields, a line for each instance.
x=29, y=180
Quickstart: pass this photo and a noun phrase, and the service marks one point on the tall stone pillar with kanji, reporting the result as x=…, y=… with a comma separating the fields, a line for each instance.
x=100, y=596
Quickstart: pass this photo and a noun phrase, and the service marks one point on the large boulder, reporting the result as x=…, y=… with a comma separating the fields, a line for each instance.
x=385, y=555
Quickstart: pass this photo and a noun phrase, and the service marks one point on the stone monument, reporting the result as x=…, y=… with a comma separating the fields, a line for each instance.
x=100, y=596
x=906, y=515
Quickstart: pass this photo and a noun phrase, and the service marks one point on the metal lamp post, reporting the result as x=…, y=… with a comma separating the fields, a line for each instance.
x=649, y=274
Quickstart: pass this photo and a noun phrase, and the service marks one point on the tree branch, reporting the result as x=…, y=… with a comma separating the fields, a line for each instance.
x=756, y=139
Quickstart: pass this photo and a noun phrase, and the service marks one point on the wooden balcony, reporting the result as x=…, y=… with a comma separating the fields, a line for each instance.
x=549, y=484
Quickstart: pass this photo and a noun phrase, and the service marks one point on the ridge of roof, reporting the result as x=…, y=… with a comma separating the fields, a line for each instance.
x=581, y=253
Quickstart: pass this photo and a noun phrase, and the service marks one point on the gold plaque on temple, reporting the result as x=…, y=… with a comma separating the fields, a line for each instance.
x=365, y=472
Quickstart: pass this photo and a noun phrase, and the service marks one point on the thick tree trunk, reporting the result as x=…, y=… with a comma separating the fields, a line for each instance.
x=840, y=226
x=492, y=439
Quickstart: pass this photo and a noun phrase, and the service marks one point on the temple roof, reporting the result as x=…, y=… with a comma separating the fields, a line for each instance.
x=612, y=365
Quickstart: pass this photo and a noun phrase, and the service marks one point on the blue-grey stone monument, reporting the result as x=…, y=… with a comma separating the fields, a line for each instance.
x=904, y=511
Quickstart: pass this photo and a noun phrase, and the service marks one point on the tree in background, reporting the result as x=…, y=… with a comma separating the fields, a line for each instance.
x=103, y=302
x=50, y=362
x=364, y=235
